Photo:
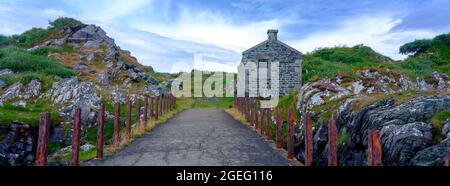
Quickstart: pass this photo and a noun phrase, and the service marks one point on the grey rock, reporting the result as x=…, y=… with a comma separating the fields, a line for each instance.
x=6, y=72
x=82, y=67
x=432, y=156
x=422, y=84
x=402, y=142
x=75, y=94
x=119, y=95
x=21, y=103
x=405, y=83
x=446, y=128
x=88, y=57
x=2, y=84
x=17, y=146
x=93, y=36
x=103, y=77
x=357, y=87
x=33, y=89
x=440, y=80
x=57, y=135
x=404, y=132
x=12, y=92
x=86, y=147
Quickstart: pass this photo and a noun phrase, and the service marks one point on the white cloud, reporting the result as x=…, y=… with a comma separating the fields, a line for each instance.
x=211, y=28
x=17, y=18
x=163, y=52
x=374, y=31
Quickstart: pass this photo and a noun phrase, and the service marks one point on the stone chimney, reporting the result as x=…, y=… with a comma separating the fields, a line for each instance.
x=272, y=33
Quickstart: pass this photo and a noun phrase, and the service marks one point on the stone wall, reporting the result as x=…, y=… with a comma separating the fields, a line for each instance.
x=276, y=51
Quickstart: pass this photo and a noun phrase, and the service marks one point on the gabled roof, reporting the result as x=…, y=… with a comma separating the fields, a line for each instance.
x=278, y=41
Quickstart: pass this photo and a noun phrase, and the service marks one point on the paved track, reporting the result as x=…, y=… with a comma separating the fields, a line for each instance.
x=199, y=137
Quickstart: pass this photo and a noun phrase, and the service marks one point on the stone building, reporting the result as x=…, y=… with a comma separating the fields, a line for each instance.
x=267, y=52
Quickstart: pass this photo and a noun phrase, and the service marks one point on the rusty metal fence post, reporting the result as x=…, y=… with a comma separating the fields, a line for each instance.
x=290, y=137
x=163, y=98
x=252, y=112
x=42, y=146
x=375, y=149
x=76, y=136
x=160, y=105
x=332, y=146
x=152, y=107
x=145, y=112
x=256, y=117
x=269, y=124
x=157, y=108
x=128, y=122
x=279, y=127
x=262, y=122
x=100, y=131
x=138, y=112
x=308, y=140
x=116, y=135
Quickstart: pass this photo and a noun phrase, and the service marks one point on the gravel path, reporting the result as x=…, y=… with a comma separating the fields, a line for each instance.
x=199, y=137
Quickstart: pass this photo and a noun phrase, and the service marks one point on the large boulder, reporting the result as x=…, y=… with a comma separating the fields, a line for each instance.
x=402, y=142
x=403, y=127
x=92, y=36
x=73, y=94
x=432, y=156
x=12, y=92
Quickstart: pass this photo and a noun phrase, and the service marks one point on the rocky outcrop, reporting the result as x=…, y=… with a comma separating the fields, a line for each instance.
x=19, y=91
x=402, y=142
x=6, y=72
x=17, y=145
x=33, y=89
x=432, y=156
x=370, y=81
x=404, y=131
x=12, y=92
x=76, y=94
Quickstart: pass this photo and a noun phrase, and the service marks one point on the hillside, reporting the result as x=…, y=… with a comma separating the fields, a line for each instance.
x=56, y=69
x=366, y=90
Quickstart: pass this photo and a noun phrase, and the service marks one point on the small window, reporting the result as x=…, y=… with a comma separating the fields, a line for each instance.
x=263, y=60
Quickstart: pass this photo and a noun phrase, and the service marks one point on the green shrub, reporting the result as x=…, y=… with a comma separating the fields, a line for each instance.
x=32, y=37
x=64, y=22
x=416, y=47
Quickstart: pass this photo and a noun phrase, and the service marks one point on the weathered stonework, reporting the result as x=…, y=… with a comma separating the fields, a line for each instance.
x=267, y=52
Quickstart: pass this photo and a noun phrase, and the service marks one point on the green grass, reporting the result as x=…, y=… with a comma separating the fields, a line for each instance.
x=29, y=114
x=36, y=36
x=329, y=62
x=343, y=138
x=53, y=147
x=286, y=102
x=26, y=77
x=20, y=60
x=436, y=122
x=44, y=51
x=218, y=103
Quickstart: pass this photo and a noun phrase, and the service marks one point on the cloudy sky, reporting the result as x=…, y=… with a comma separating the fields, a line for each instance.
x=162, y=33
